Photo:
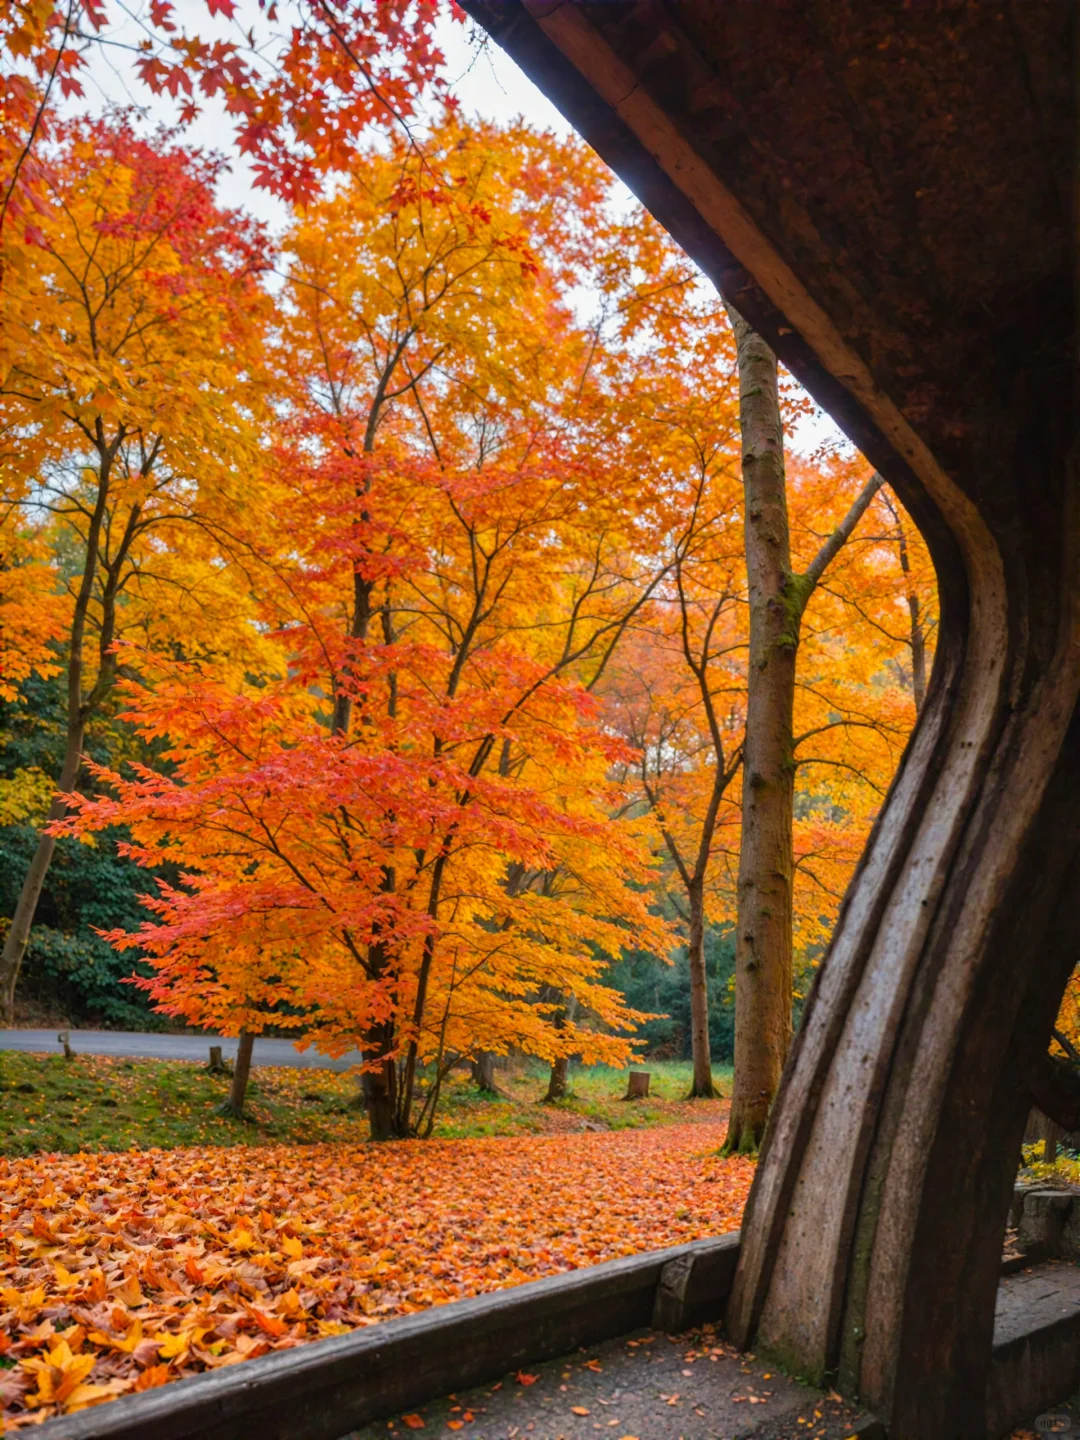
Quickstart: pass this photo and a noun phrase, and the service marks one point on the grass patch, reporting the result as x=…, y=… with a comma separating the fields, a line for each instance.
x=97, y=1103
x=595, y=1101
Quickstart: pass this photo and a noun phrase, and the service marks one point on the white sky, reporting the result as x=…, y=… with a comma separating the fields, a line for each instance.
x=482, y=76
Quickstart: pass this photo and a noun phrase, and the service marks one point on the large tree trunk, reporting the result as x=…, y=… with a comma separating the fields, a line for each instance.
x=381, y=1084
x=483, y=1072
x=763, y=962
x=380, y=1096
x=701, y=1087
x=558, y=1079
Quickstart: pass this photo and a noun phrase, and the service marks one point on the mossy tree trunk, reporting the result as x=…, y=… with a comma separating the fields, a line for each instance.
x=763, y=964
x=777, y=601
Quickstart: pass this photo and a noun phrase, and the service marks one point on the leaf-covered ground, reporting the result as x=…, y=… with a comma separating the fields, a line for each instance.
x=102, y=1103
x=122, y=1272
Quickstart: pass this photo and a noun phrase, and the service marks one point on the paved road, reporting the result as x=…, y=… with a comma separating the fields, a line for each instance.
x=170, y=1047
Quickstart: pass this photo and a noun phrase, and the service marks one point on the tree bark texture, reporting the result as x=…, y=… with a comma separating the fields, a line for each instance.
x=701, y=1086
x=914, y=261
x=234, y=1105
x=483, y=1072
x=873, y=1233
x=381, y=1084
x=763, y=960
x=558, y=1079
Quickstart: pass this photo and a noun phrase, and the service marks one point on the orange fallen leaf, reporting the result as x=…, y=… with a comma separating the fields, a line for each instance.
x=523, y=1379
x=414, y=1422
x=272, y=1324
x=152, y=1377
x=579, y=1410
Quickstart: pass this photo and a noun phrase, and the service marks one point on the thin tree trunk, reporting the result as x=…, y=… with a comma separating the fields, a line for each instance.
x=234, y=1105
x=763, y=960
x=918, y=654
x=18, y=936
x=701, y=1087
x=559, y=1079
x=916, y=632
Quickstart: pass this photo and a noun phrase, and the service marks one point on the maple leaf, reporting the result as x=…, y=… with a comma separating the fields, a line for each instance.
x=59, y=1374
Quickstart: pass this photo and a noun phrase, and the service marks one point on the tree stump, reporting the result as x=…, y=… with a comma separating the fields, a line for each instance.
x=217, y=1065
x=637, y=1087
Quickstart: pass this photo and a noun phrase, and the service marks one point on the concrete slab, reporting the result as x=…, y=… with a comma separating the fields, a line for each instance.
x=648, y=1386
x=1035, y=1299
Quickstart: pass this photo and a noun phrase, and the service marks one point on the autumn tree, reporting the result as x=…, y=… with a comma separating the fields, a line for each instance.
x=301, y=82
x=124, y=417
x=900, y=537
x=677, y=688
x=413, y=824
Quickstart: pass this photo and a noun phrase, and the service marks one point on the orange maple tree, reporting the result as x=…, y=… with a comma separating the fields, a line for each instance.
x=302, y=80
x=124, y=421
x=403, y=836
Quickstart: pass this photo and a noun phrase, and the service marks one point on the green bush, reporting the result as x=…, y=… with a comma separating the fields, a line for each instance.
x=68, y=968
x=83, y=977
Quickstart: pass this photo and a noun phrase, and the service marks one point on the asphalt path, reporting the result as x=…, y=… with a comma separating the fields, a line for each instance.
x=135, y=1045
